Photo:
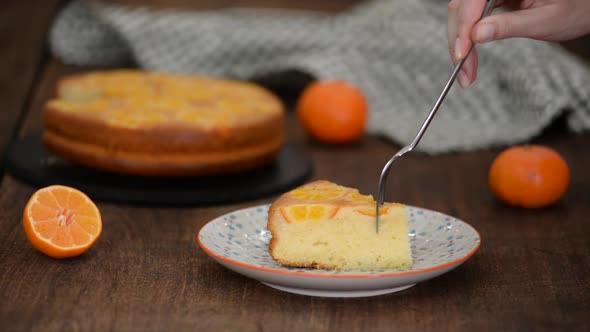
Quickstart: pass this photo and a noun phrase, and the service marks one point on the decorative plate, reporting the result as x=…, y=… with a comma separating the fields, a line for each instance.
x=239, y=241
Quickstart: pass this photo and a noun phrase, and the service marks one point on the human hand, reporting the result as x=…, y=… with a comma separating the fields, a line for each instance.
x=550, y=20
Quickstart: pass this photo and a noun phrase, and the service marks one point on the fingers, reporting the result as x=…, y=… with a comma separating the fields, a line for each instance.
x=469, y=12
x=462, y=16
x=452, y=27
x=530, y=23
x=468, y=72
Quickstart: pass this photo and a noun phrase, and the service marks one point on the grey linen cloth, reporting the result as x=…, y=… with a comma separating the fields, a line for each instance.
x=395, y=51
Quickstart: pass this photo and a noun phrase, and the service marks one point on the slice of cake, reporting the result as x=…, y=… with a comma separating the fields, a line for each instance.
x=324, y=225
x=147, y=123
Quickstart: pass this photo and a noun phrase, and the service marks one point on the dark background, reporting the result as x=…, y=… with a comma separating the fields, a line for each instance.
x=146, y=272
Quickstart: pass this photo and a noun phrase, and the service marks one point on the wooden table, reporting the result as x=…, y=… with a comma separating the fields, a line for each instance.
x=146, y=272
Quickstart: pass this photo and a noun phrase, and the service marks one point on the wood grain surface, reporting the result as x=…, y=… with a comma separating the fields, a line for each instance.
x=23, y=31
x=146, y=272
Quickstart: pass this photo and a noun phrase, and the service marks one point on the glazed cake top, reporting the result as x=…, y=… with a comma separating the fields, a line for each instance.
x=133, y=98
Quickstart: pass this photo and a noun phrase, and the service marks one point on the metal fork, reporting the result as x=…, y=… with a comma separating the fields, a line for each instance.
x=383, y=178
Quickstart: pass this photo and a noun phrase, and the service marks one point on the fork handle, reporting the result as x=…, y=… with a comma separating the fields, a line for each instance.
x=383, y=178
x=487, y=10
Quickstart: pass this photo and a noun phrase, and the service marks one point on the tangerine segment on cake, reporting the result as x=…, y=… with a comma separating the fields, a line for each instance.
x=324, y=225
x=149, y=123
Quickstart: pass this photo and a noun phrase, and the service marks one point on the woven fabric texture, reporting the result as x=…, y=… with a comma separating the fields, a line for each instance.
x=395, y=51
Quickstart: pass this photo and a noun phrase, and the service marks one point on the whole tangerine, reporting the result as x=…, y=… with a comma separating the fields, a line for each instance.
x=529, y=176
x=333, y=111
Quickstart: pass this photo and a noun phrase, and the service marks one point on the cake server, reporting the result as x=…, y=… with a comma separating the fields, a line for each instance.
x=383, y=178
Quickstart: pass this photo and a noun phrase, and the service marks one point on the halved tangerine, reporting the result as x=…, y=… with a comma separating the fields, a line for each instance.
x=61, y=221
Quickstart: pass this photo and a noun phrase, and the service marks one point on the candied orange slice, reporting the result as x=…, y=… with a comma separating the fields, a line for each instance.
x=319, y=193
x=355, y=196
x=308, y=212
x=61, y=221
x=370, y=211
x=125, y=118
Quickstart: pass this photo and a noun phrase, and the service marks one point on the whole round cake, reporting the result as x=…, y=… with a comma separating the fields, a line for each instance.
x=156, y=124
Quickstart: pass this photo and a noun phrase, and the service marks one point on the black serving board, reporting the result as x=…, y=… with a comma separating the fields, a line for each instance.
x=28, y=160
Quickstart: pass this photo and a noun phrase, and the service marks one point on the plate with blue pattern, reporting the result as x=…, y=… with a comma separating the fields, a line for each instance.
x=239, y=241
